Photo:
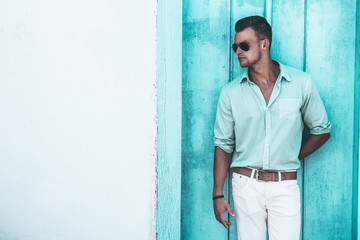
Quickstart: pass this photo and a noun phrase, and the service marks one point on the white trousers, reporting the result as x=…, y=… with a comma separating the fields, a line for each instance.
x=258, y=204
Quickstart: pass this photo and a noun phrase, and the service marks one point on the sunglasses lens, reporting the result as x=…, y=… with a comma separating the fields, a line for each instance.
x=244, y=46
x=234, y=47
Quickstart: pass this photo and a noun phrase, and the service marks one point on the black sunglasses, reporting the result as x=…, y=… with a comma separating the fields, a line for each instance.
x=243, y=46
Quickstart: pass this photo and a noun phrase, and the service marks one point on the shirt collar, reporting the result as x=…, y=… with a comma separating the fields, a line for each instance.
x=283, y=74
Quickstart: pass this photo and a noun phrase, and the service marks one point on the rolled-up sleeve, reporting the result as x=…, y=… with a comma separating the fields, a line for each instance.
x=313, y=110
x=224, y=124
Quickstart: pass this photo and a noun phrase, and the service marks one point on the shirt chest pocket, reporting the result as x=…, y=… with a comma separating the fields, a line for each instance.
x=289, y=108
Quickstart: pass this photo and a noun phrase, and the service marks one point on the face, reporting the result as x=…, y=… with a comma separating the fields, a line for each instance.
x=254, y=54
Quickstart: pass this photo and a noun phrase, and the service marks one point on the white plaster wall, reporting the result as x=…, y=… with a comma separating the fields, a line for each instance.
x=77, y=119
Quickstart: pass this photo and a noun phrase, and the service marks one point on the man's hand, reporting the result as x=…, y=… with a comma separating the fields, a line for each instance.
x=220, y=206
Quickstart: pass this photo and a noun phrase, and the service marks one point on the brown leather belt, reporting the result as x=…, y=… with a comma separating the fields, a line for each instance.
x=267, y=176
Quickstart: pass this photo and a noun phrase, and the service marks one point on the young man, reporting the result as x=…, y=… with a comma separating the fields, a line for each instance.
x=258, y=132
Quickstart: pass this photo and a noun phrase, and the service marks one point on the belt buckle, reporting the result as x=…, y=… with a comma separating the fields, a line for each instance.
x=257, y=176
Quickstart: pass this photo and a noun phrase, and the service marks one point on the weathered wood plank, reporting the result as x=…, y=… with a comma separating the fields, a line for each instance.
x=205, y=71
x=169, y=86
x=330, y=41
x=356, y=146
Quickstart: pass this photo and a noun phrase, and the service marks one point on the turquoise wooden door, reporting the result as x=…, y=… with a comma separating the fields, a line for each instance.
x=318, y=36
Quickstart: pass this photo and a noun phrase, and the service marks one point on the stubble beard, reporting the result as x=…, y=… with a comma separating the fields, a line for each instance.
x=243, y=63
x=250, y=62
x=247, y=63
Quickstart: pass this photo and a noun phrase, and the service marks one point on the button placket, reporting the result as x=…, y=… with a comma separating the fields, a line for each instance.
x=274, y=95
x=266, y=163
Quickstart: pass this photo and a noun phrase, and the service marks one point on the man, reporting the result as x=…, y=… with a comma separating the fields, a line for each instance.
x=258, y=133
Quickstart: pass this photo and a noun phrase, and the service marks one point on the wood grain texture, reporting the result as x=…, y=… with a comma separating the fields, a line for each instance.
x=169, y=86
x=356, y=142
x=205, y=71
x=330, y=40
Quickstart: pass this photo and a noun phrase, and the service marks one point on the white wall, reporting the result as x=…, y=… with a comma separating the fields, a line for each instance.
x=77, y=119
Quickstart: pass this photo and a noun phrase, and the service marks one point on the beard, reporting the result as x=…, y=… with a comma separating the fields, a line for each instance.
x=248, y=62
x=244, y=62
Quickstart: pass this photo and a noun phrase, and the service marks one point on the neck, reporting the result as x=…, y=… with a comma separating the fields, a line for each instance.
x=265, y=71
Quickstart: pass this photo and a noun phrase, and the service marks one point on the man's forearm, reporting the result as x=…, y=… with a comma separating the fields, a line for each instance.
x=222, y=162
x=313, y=143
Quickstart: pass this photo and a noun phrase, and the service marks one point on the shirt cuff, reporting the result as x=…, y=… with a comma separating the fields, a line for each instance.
x=226, y=148
x=321, y=129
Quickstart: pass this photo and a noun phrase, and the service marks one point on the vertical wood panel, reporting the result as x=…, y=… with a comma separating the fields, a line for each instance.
x=205, y=71
x=356, y=159
x=288, y=32
x=330, y=40
x=169, y=63
x=288, y=47
x=240, y=9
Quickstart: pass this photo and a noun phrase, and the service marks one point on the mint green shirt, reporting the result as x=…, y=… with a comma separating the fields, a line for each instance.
x=268, y=136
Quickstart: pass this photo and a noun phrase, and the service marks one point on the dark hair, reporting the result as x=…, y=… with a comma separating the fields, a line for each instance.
x=259, y=24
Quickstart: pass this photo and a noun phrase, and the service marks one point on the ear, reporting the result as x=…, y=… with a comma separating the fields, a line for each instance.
x=265, y=43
